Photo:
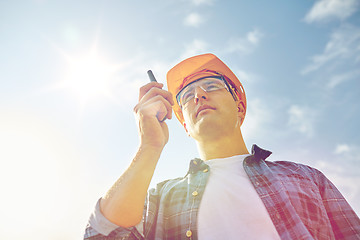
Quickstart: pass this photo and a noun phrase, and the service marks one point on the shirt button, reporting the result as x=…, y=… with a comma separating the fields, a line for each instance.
x=205, y=170
x=277, y=215
x=188, y=233
x=257, y=183
x=194, y=193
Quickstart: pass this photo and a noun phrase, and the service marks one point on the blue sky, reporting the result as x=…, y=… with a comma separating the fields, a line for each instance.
x=70, y=73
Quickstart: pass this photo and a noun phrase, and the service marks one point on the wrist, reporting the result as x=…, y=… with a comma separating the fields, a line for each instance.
x=150, y=148
x=148, y=154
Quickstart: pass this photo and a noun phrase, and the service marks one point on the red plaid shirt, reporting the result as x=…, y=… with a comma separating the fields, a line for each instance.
x=301, y=201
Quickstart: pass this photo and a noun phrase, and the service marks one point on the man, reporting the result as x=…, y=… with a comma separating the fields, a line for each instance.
x=229, y=193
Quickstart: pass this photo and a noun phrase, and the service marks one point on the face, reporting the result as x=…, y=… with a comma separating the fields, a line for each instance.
x=209, y=109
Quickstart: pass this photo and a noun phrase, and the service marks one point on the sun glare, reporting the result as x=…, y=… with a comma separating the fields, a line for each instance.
x=89, y=77
x=39, y=171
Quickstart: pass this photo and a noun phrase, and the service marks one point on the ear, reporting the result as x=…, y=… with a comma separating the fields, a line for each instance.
x=241, y=109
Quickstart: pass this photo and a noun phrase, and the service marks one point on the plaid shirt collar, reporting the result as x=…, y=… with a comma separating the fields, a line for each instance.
x=257, y=154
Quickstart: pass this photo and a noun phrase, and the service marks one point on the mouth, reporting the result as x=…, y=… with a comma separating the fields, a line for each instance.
x=202, y=108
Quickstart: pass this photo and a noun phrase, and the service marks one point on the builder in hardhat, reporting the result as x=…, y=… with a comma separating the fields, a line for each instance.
x=228, y=193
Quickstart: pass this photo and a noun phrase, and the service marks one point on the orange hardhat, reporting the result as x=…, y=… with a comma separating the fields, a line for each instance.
x=191, y=69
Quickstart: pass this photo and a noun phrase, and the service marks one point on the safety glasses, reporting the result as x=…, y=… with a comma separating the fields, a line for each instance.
x=207, y=84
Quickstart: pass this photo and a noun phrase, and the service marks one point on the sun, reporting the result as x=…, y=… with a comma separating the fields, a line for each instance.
x=89, y=76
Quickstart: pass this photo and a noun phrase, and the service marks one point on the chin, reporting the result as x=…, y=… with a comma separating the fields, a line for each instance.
x=207, y=125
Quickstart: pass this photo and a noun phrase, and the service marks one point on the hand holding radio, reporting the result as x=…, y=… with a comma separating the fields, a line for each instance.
x=153, y=108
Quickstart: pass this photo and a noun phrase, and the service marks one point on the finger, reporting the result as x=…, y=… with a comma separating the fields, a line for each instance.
x=155, y=106
x=144, y=89
x=153, y=92
x=164, y=109
x=168, y=109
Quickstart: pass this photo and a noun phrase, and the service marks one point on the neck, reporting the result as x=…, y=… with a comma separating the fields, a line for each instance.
x=222, y=147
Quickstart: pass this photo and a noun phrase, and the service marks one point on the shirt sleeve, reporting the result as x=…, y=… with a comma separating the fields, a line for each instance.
x=99, y=223
x=344, y=221
x=100, y=228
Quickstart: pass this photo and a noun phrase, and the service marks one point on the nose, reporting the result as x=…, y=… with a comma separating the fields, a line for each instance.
x=200, y=94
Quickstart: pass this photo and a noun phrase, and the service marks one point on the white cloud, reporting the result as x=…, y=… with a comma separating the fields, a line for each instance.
x=196, y=47
x=349, y=152
x=246, y=76
x=342, y=148
x=202, y=2
x=193, y=20
x=325, y=10
x=245, y=44
x=340, y=78
x=254, y=36
x=343, y=44
x=302, y=119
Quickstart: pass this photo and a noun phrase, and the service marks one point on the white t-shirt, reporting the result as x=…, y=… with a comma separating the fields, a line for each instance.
x=230, y=207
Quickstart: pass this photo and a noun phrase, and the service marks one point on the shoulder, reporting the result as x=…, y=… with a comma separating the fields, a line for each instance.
x=166, y=185
x=294, y=169
x=290, y=166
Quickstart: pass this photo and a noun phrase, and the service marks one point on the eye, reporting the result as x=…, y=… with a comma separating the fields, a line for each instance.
x=187, y=96
x=212, y=86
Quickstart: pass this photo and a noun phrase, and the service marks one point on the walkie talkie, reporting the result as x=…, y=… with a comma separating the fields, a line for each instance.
x=153, y=79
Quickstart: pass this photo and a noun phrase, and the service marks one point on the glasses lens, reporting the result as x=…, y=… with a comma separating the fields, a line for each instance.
x=207, y=84
x=212, y=85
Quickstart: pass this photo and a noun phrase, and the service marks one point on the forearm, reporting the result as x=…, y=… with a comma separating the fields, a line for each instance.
x=123, y=204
